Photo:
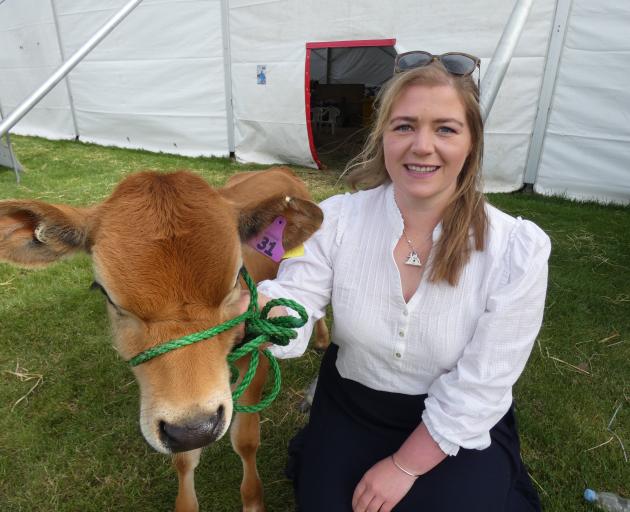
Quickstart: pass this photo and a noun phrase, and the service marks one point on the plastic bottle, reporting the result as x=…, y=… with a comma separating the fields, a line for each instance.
x=608, y=501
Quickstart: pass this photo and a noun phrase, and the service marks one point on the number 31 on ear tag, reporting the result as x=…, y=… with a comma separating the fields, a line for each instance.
x=269, y=242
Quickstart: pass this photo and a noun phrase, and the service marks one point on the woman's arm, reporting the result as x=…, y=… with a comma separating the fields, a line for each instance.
x=308, y=279
x=464, y=403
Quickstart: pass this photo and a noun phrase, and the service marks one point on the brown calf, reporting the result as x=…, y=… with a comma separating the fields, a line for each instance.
x=166, y=251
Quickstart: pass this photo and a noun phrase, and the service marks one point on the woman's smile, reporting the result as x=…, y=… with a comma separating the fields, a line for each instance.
x=421, y=170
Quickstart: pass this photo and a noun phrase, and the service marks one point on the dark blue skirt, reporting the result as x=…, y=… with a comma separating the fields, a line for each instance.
x=352, y=427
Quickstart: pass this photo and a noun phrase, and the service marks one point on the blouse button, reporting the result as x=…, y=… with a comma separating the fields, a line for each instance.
x=398, y=355
x=405, y=312
x=401, y=334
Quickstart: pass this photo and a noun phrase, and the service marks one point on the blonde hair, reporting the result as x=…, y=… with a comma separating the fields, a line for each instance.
x=465, y=214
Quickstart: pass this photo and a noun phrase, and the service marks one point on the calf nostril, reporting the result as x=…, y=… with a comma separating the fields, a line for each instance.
x=192, y=434
x=163, y=433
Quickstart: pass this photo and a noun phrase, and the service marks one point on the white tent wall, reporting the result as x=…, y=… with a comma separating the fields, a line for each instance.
x=586, y=151
x=29, y=54
x=156, y=82
x=270, y=123
x=271, y=119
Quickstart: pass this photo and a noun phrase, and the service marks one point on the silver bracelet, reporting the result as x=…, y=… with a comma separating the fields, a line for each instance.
x=405, y=471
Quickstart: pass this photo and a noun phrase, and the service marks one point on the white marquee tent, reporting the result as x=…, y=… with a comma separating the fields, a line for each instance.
x=214, y=77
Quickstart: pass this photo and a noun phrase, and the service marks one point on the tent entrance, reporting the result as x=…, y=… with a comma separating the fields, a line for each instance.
x=342, y=80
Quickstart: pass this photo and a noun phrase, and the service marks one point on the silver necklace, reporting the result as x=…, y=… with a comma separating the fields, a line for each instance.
x=413, y=259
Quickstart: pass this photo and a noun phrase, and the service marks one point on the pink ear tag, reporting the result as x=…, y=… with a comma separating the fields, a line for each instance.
x=269, y=242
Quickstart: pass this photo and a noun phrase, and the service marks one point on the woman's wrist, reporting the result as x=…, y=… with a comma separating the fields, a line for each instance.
x=419, y=453
x=402, y=468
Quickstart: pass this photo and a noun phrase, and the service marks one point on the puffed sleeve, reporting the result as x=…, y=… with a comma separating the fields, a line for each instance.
x=308, y=279
x=465, y=403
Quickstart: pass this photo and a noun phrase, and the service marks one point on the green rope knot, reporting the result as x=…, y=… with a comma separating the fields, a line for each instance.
x=259, y=329
x=280, y=330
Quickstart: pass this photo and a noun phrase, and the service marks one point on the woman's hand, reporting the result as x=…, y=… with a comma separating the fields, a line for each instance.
x=381, y=488
x=275, y=311
x=243, y=304
x=384, y=485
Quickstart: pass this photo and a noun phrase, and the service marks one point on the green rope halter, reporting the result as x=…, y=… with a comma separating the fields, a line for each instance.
x=258, y=330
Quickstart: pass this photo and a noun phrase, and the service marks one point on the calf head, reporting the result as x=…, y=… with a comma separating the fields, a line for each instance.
x=166, y=252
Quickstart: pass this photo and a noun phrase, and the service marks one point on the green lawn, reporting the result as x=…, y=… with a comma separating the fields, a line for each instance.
x=73, y=443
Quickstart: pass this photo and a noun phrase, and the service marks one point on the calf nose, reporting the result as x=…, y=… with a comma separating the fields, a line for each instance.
x=193, y=434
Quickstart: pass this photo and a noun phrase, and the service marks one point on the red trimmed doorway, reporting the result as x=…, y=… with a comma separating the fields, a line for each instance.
x=342, y=79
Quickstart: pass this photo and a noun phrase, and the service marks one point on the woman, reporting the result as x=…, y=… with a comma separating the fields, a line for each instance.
x=437, y=299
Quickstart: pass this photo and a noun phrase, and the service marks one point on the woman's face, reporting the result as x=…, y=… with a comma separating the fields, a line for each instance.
x=426, y=142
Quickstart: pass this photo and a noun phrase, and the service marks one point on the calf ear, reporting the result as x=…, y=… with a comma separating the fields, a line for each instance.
x=33, y=233
x=303, y=219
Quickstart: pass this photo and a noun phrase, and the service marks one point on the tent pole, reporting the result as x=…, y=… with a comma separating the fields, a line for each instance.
x=14, y=163
x=552, y=64
x=13, y=118
x=67, y=78
x=500, y=61
x=227, y=74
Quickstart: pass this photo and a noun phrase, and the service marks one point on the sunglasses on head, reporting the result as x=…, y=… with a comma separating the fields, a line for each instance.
x=456, y=63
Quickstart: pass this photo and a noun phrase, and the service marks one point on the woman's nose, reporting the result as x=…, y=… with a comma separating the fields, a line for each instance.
x=422, y=143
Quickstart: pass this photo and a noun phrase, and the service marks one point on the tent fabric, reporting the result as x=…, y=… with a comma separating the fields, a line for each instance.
x=29, y=54
x=367, y=65
x=158, y=81
x=586, y=152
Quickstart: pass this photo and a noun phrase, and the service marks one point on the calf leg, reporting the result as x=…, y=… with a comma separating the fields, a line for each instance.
x=322, y=337
x=245, y=436
x=185, y=464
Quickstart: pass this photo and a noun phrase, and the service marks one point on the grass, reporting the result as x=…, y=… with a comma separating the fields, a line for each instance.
x=69, y=438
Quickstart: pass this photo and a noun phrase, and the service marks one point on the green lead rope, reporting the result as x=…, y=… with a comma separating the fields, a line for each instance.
x=259, y=329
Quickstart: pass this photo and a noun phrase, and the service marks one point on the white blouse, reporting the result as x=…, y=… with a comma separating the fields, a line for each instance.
x=465, y=345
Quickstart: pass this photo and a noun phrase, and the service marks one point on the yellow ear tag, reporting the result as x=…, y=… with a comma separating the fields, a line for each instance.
x=294, y=253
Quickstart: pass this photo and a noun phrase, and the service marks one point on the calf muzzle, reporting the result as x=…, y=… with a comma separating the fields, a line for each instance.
x=193, y=434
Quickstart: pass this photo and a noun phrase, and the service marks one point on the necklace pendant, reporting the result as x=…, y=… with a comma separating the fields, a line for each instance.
x=413, y=259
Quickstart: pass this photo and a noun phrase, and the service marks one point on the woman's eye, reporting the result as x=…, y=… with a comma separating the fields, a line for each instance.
x=402, y=128
x=446, y=129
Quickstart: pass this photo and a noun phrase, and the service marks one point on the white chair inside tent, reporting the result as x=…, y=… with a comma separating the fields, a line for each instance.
x=326, y=116
x=316, y=115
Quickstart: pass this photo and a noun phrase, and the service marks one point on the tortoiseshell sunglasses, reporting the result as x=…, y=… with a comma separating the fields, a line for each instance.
x=456, y=63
